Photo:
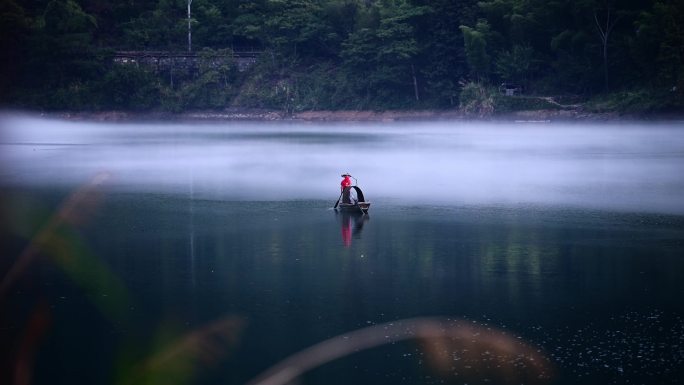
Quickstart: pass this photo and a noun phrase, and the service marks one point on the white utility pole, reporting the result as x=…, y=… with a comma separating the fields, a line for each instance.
x=189, y=28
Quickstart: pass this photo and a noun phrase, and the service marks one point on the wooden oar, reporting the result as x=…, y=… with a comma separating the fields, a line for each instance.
x=338, y=200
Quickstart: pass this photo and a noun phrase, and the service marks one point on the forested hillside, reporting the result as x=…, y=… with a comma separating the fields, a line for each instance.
x=345, y=54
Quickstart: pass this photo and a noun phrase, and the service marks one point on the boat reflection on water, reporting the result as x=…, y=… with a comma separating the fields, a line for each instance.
x=352, y=225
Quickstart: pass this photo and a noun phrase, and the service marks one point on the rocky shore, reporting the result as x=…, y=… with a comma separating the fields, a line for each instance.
x=337, y=116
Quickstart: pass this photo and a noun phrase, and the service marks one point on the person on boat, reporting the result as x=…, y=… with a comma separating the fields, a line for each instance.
x=346, y=182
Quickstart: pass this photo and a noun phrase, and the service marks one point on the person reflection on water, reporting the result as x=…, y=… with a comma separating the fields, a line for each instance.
x=346, y=230
x=352, y=225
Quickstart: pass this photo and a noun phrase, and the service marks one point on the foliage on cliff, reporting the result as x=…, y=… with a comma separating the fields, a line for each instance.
x=345, y=54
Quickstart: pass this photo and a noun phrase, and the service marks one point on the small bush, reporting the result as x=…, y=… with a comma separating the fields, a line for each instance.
x=477, y=100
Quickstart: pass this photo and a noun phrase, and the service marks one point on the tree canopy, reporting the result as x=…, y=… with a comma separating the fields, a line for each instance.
x=333, y=54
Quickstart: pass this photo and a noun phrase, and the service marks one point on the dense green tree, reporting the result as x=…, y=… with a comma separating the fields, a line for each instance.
x=211, y=27
x=62, y=53
x=575, y=53
x=383, y=50
x=163, y=27
x=576, y=45
x=475, y=42
x=606, y=16
x=515, y=65
x=295, y=26
x=14, y=27
x=442, y=59
x=130, y=88
x=659, y=44
x=248, y=25
x=341, y=17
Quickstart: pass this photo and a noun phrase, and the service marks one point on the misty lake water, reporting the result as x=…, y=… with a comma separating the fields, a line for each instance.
x=206, y=253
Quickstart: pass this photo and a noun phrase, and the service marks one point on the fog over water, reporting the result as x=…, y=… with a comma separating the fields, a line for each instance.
x=620, y=166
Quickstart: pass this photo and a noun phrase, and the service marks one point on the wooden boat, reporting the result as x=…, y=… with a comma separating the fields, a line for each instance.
x=348, y=203
x=359, y=207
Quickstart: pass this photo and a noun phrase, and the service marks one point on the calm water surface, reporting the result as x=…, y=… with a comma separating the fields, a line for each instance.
x=206, y=254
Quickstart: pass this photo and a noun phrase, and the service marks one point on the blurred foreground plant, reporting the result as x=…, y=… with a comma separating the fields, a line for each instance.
x=454, y=349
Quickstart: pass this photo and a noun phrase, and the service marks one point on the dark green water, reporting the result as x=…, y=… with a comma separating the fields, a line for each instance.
x=187, y=253
x=598, y=292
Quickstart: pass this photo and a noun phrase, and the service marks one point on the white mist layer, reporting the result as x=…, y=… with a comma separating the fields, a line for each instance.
x=611, y=166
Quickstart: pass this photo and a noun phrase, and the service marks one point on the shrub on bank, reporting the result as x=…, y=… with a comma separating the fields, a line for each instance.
x=477, y=100
x=640, y=101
